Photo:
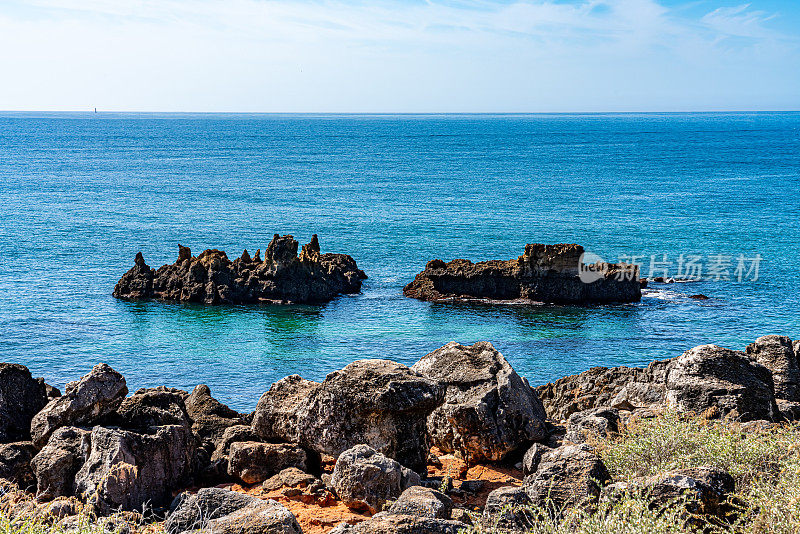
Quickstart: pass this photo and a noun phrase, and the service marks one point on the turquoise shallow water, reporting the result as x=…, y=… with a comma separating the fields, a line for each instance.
x=80, y=194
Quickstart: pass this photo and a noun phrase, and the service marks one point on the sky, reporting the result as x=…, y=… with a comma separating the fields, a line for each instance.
x=399, y=56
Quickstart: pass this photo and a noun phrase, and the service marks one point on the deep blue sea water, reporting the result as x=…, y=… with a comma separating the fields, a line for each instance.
x=80, y=194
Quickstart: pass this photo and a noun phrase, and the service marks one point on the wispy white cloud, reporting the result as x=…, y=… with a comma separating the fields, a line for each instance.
x=389, y=54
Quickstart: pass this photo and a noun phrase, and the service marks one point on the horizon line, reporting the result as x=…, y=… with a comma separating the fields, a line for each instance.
x=432, y=113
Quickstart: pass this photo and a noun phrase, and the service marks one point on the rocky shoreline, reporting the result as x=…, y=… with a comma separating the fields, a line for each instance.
x=457, y=440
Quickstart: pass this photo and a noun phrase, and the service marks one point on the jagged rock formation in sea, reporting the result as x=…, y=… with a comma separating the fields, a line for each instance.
x=211, y=278
x=544, y=273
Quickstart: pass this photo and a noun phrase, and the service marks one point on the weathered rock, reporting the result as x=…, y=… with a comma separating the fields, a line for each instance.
x=15, y=463
x=597, y=422
x=58, y=462
x=544, y=273
x=386, y=523
x=625, y=388
x=530, y=462
x=423, y=502
x=790, y=411
x=210, y=418
x=570, y=475
x=253, y=462
x=712, y=377
x=489, y=411
x=193, y=511
x=263, y=517
x=211, y=278
x=365, y=479
x=149, y=408
x=231, y=435
x=88, y=400
x=702, y=491
x=21, y=397
x=126, y=470
x=376, y=402
x=291, y=477
x=508, y=509
x=777, y=354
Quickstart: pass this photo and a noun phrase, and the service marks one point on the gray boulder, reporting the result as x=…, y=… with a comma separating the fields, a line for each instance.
x=597, y=422
x=262, y=517
x=387, y=523
x=21, y=397
x=423, y=502
x=376, y=402
x=128, y=471
x=193, y=511
x=149, y=408
x=15, y=463
x=723, y=380
x=508, y=509
x=777, y=354
x=489, y=411
x=571, y=475
x=365, y=479
x=210, y=418
x=58, y=462
x=530, y=462
x=253, y=462
x=84, y=402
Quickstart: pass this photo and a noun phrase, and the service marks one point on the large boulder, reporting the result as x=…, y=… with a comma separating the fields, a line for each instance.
x=211, y=278
x=58, y=462
x=15, y=463
x=254, y=462
x=508, y=509
x=388, y=523
x=262, y=517
x=724, y=380
x=210, y=418
x=488, y=411
x=149, y=408
x=21, y=397
x=423, y=502
x=365, y=480
x=777, y=354
x=702, y=491
x=376, y=402
x=84, y=402
x=625, y=388
x=571, y=475
x=126, y=470
x=594, y=423
x=193, y=511
x=544, y=273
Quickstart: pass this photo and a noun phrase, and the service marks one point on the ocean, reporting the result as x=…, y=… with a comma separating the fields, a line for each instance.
x=82, y=193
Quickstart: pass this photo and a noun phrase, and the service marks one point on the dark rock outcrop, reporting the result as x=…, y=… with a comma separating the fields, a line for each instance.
x=15, y=463
x=126, y=470
x=376, y=402
x=777, y=354
x=58, y=462
x=21, y=397
x=262, y=517
x=254, y=462
x=488, y=411
x=420, y=501
x=365, y=479
x=149, y=408
x=703, y=491
x=84, y=402
x=594, y=423
x=386, y=523
x=723, y=380
x=544, y=273
x=194, y=511
x=212, y=278
x=571, y=475
x=508, y=509
x=210, y=418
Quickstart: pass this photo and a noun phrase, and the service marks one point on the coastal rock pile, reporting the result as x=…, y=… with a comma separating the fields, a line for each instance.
x=544, y=273
x=211, y=278
x=363, y=436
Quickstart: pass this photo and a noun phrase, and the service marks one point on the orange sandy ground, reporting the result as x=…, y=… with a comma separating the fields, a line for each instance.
x=320, y=519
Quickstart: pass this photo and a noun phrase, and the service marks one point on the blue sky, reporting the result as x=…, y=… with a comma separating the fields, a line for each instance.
x=395, y=56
